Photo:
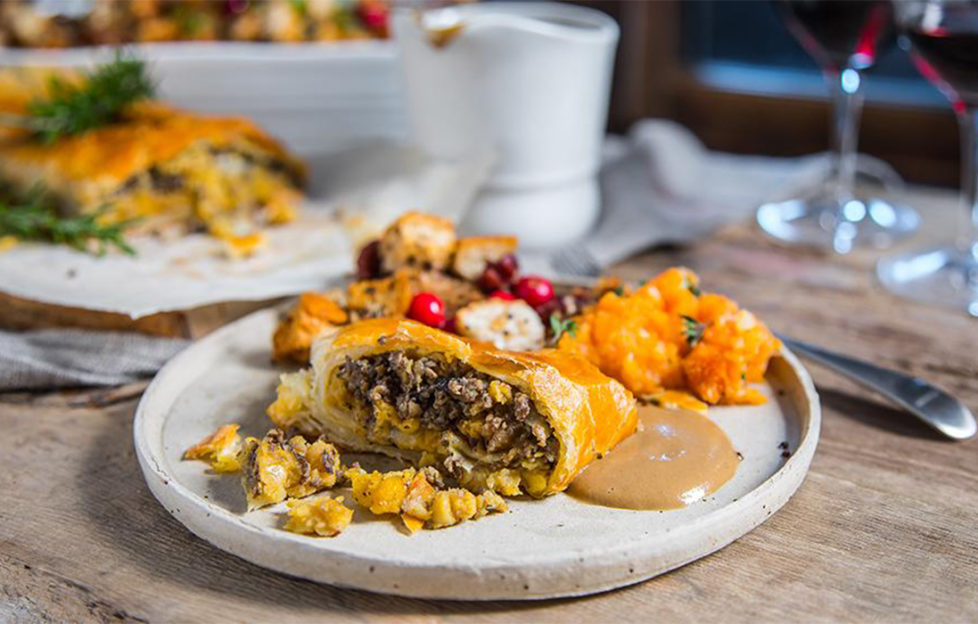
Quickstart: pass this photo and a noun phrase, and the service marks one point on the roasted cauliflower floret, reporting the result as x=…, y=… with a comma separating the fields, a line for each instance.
x=276, y=468
x=417, y=240
x=324, y=516
x=222, y=449
x=473, y=253
x=511, y=325
x=414, y=496
x=313, y=314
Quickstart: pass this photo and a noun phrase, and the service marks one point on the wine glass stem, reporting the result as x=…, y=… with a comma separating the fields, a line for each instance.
x=848, y=89
x=968, y=233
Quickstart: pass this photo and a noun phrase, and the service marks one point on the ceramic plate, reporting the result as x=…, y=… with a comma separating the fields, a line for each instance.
x=539, y=549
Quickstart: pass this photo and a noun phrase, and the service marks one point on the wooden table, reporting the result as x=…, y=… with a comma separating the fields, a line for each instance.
x=885, y=527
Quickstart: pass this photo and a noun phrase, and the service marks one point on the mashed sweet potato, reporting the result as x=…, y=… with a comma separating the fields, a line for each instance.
x=668, y=336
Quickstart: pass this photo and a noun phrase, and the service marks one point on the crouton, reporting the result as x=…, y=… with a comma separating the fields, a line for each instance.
x=417, y=240
x=454, y=292
x=382, y=297
x=473, y=253
x=313, y=314
x=391, y=296
x=510, y=325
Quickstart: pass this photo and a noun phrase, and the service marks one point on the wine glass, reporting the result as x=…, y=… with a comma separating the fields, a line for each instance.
x=844, y=37
x=943, y=39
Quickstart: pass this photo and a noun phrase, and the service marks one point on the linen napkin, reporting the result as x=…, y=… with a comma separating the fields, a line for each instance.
x=61, y=358
x=660, y=185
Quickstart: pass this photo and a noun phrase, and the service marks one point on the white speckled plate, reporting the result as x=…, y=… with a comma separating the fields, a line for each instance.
x=539, y=549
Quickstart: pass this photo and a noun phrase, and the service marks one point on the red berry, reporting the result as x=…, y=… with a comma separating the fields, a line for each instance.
x=368, y=262
x=373, y=15
x=548, y=308
x=502, y=294
x=534, y=290
x=428, y=309
x=451, y=326
x=491, y=280
x=507, y=266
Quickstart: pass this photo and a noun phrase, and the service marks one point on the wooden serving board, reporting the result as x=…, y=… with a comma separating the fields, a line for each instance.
x=23, y=314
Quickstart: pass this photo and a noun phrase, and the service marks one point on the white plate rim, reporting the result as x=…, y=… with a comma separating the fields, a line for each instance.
x=490, y=580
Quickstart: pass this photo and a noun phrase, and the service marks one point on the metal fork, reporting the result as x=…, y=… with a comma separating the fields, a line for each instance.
x=575, y=261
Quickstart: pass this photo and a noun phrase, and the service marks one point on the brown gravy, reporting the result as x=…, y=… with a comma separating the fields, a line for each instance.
x=676, y=457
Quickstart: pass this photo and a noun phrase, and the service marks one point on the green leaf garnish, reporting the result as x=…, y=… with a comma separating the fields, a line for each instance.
x=691, y=286
x=561, y=326
x=98, y=101
x=692, y=330
x=36, y=219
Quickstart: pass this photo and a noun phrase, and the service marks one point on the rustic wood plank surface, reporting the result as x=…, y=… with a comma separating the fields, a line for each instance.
x=884, y=528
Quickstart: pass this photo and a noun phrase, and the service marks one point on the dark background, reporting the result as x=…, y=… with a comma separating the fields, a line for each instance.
x=731, y=72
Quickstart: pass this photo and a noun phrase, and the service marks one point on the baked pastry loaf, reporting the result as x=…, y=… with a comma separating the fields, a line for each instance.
x=508, y=422
x=157, y=164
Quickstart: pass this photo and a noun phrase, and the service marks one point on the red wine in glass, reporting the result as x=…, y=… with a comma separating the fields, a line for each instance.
x=944, y=46
x=947, y=54
x=845, y=38
x=841, y=33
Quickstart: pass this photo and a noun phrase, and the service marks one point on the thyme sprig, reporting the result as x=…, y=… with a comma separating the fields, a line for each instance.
x=692, y=330
x=36, y=219
x=71, y=109
x=561, y=326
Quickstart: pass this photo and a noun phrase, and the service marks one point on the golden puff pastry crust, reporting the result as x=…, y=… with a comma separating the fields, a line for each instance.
x=574, y=413
x=157, y=164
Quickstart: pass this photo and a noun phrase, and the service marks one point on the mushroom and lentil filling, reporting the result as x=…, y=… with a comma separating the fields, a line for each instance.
x=466, y=415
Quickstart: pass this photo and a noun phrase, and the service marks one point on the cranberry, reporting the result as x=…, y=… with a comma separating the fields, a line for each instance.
x=491, y=280
x=427, y=308
x=234, y=7
x=548, y=309
x=534, y=290
x=507, y=266
x=373, y=15
x=451, y=326
x=368, y=262
x=505, y=295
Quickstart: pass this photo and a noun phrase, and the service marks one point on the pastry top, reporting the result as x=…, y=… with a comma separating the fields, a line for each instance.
x=149, y=132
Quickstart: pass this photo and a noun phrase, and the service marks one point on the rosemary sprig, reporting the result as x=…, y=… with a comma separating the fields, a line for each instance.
x=561, y=326
x=99, y=100
x=692, y=330
x=35, y=219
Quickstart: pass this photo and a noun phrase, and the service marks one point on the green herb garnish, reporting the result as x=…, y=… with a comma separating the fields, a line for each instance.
x=73, y=109
x=620, y=291
x=36, y=219
x=561, y=326
x=692, y=330
x=691, y=286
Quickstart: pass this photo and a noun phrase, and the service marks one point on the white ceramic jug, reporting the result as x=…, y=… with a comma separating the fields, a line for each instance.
x=528, y=80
